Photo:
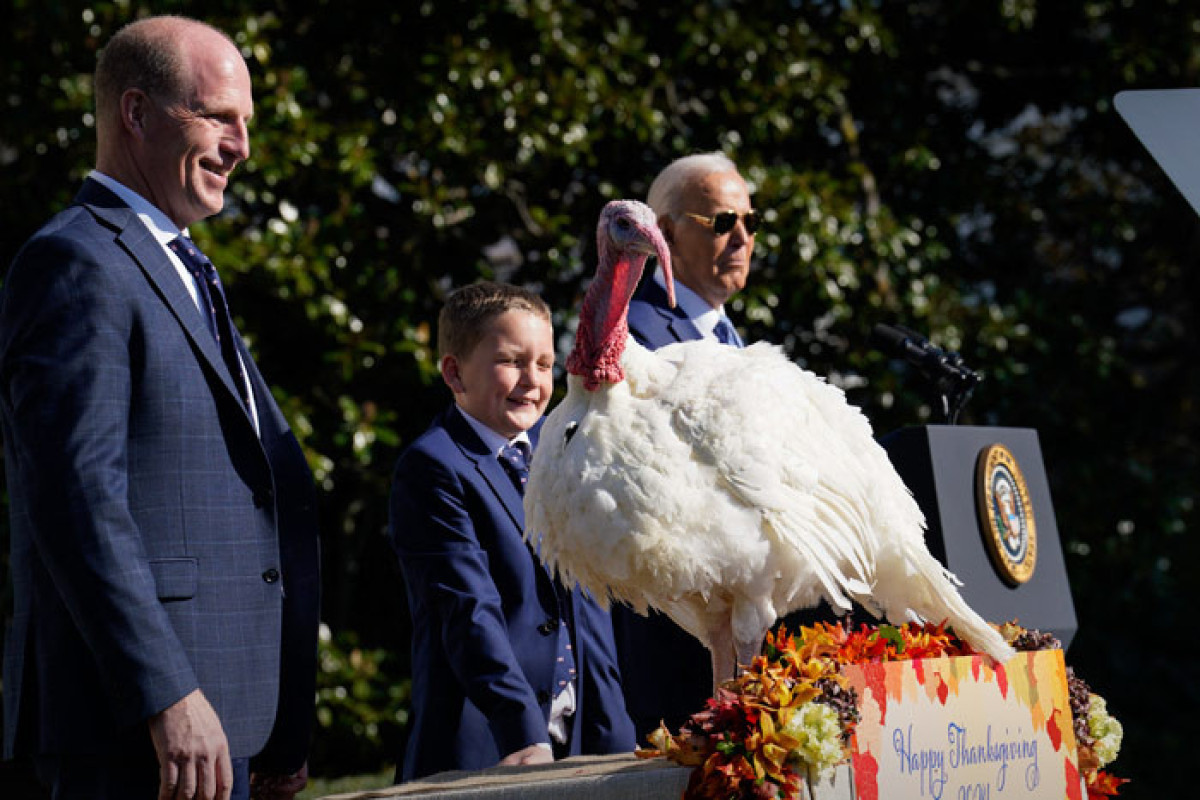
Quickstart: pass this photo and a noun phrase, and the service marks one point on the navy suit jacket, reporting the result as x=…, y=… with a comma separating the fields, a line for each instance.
x=653, y=323
x=667, y=673
x=485, y=615
x=159, y=543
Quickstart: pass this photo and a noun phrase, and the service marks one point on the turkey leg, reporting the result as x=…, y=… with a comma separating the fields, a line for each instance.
x=724, y=662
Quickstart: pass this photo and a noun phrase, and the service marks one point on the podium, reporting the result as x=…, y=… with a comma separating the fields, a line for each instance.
x=978, y=523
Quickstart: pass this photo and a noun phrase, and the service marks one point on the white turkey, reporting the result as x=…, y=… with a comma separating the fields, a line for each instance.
x=724, y=487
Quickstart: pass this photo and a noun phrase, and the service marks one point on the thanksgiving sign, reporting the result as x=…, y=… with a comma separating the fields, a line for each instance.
x=965, y=728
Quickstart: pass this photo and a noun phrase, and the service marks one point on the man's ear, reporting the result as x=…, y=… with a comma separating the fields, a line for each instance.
x=135, y=106
x=451, y=374
x=667, y=226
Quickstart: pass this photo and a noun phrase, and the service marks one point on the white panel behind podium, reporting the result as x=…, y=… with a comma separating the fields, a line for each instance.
x=1167, y=122
x=938, y=462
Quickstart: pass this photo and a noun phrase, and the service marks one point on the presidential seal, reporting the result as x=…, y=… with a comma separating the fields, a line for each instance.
x=1005, y=514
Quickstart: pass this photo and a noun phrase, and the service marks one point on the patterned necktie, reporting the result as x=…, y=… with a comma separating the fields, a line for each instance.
x=726, y=333
x=213, y=304
x=564, y=664
x=515, y=458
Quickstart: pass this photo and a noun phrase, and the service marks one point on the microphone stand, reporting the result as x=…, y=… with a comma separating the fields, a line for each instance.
x=952, y=381
x=955, y=387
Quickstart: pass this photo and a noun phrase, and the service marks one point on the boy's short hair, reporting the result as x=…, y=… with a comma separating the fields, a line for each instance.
x=467, y=311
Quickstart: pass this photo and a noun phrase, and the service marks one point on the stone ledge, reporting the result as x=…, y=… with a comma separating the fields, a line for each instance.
x=615, y=777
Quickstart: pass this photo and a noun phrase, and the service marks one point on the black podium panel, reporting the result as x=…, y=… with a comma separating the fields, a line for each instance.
x=939, y=464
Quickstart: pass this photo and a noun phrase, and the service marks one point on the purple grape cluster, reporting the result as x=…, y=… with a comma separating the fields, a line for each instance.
x=1080, y=695
x=1031, y=640
x=844, y=701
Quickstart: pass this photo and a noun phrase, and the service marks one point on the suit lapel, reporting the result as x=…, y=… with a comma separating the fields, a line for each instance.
x=150, y=257
x=684, y=330
x=677, y=322
x=493, y=472
x=487, y=465
x=270, y=417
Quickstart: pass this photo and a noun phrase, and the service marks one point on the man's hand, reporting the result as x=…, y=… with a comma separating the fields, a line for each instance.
x=193, y=754
x=533, y=754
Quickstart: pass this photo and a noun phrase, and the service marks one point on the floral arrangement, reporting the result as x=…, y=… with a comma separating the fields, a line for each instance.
x=791, y=714
x=1097, y=734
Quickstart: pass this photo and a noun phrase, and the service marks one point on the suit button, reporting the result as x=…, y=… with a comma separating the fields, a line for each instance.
x=262, y=498
x=548, y=627
x=543, y=697
x=271, y=575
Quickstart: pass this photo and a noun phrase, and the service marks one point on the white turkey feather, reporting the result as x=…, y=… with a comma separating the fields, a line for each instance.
x=722, y=481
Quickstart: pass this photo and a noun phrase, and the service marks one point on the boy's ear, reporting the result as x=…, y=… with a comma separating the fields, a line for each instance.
x=451, y=374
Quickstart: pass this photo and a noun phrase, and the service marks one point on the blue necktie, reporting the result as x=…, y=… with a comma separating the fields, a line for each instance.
x=216, y=309
x=515, y=458
x=726, y=333
x=564, y=664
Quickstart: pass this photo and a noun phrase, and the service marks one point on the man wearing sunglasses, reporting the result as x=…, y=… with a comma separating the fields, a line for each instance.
x=703, y=208
x=704, y=211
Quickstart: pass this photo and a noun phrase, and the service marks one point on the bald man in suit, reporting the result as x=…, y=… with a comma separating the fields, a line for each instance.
x=164, y=546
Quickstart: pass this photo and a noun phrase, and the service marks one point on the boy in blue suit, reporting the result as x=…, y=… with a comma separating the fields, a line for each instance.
x=509, y=667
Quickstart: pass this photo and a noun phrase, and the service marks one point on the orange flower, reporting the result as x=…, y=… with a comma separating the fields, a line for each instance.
x=1100, y=784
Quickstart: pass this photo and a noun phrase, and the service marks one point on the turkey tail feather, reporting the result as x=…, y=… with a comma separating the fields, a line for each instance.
x=924, y=587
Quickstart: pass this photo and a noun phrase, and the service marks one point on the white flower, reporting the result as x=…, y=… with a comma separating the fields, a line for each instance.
x=819, y=732
x=1106, y=730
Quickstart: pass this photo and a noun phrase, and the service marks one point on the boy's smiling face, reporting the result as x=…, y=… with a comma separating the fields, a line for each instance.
x=507, y=380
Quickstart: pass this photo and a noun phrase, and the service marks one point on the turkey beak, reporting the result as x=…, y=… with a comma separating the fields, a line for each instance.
x=663, y=253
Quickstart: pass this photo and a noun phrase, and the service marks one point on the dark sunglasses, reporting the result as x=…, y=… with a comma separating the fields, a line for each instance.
x=723, y=222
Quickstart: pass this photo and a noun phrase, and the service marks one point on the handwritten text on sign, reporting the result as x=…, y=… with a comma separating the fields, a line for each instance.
x=959, y=729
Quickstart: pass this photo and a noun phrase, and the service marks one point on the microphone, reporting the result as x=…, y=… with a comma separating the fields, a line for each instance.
x=946, y=370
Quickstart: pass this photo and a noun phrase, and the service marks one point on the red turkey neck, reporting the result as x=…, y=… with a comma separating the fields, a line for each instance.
x=603, y=321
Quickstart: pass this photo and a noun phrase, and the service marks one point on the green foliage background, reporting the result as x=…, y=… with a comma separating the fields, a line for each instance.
x=955, y=167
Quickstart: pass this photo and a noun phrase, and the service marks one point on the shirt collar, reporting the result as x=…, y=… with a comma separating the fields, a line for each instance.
x=155, y=220
x=693, y=306
x=495, y=442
